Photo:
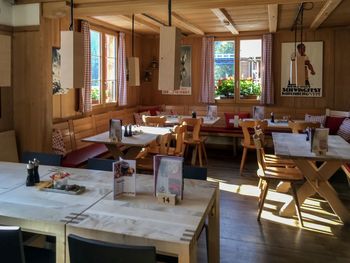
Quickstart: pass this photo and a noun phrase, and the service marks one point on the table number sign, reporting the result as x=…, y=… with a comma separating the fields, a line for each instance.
x=168, y=176
x=124, y=178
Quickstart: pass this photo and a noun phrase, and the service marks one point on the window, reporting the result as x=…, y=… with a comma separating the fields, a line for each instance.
x=237, y=74
x=103, y=67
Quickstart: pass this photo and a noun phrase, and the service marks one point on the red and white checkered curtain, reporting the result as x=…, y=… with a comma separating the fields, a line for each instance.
x=207, y=84
x=267, y=92
x=85, y=102
x=122, y=87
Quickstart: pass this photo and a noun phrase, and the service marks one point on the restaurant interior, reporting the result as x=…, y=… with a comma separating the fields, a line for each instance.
x=174, y=131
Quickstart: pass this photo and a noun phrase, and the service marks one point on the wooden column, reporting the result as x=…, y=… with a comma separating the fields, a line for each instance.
x=32, y=88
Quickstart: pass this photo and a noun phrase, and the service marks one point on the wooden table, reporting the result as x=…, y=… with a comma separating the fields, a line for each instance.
x=295, y=146
x=172, y=120
x=140, y=220
x=142, y=139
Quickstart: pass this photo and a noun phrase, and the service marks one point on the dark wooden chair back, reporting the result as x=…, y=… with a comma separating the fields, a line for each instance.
x=44, y=158
x=100, y=164
x=11, y=244
x=195, y=172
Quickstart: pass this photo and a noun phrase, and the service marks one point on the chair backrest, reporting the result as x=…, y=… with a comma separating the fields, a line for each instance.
x=195, y=172
x=260, y=154
x=100, y=164
x=250, y=125
x=300, y=126
x=164, y=143
x=154, y=121
x=195, y=123
x=44, y=158
x=180, y=132
x=83, y=250
x=11, y=244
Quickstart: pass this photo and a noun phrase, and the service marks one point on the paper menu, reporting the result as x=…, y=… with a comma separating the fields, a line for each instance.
x=124, y=182
x=115, y=129
x=168, y=175
x=319, y=141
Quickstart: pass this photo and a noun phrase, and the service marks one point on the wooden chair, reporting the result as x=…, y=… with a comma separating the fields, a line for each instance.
x=179, y=149
x=154, y=121
x=268, y=174
x=194, y=139
x=12, y=249
x=300, y=126
x=247, y=143
x=83, y=250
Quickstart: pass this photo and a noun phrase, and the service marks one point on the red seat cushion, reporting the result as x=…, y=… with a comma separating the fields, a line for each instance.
x=333, y=123
x=347, y=166
x=228, y=116
x=152, y=110
x=78, y=157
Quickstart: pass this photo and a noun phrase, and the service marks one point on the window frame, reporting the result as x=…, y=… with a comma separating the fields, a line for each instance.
x=237, y=41
x=104, y=32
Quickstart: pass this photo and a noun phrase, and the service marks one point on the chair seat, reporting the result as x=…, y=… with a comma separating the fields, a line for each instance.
x=38, y=255
x=281, y=174
x=273, y=160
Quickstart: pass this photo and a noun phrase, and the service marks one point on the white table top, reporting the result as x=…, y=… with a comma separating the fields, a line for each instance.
x=142, y=217
x=147, y=135
x=295, y=146
x=173, y=120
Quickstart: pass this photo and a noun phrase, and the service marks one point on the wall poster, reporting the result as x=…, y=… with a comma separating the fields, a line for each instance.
x=301, y=70
x=185, y=73
x=56, y=73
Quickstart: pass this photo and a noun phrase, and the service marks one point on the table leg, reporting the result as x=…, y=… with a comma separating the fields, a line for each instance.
x=189, y=254
x=115, y=151
x=317, y=181
x=283, y=187
x=60, y=248
x=214, y=230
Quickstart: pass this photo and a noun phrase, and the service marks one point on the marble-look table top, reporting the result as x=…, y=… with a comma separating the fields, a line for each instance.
x=145, y=137
x=13, y=175
x=143, y=217
x=295, y=146
x=174, y=120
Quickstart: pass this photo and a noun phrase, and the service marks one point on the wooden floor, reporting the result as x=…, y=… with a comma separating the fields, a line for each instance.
x=275, y=239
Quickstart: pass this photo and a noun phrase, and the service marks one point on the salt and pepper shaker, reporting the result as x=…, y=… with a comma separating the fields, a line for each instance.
x=307, y=134
x=130, y=130
x=30, y=174
x=36, y=171
x=194, y=114
x=272, y=117
x=126, y=134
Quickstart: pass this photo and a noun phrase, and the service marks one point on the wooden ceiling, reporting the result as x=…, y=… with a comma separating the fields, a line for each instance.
x=209, y=16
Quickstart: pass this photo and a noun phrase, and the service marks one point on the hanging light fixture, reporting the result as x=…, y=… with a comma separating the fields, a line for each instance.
x=169, y=55
x=133, y=62
x=72, y=56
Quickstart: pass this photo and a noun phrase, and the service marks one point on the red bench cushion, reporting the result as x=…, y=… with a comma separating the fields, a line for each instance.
x=333, y=123
x=78, y=157
x=347, y=166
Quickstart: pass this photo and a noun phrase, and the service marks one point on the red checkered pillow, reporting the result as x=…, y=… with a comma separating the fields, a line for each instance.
x=57, y=142
x=138, y=117
x=312, y=118
x=344, y=130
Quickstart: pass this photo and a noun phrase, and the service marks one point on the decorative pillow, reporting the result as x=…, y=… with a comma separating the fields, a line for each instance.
x=333, y=123
x=138, y=117
x=228, y=116
x=313, y=118
x=57, y=142
x=344, y=130
x=152, y=110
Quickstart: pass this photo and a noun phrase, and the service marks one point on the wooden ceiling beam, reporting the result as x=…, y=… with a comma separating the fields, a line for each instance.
x=273, y=17
x=183, y=23
x=326, y=10
x=140, y=21
x=225, y=19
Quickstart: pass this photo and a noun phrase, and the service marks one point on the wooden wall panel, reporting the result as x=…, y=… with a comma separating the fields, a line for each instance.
x=336, y=57
x=6, y=119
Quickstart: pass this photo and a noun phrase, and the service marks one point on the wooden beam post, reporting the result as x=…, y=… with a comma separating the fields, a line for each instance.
x=273, y=17
x=326, y=10
x=183, y=23
x=226, y=19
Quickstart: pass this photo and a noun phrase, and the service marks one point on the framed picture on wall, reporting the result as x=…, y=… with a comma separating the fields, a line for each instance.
x=302, y=69
x=185, y=73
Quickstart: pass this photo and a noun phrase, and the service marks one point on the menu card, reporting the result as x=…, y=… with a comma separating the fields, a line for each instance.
x=124, y=178
x=168, y=175
x=115, y=129
x=319, y=141
x=212, y=111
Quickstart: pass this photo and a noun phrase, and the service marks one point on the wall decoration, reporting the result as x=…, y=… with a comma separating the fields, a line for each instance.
x=56, y=73
x=302, y=70
x=185, y=73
